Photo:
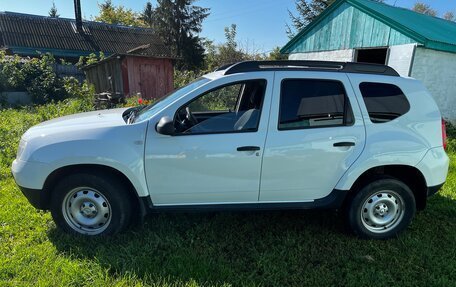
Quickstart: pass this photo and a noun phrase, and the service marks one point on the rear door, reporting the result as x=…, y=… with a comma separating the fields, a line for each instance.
x=316, y=133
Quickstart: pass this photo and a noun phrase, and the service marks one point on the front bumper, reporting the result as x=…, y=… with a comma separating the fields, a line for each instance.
x=28, y=174
x=35, y=197
x=30, y=177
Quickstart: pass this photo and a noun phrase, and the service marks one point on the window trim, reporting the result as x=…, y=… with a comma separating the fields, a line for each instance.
x=347, y=106
x=389, y=84
x=221, y=87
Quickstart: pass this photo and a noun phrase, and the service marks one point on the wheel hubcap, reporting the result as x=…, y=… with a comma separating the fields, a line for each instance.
x=382, y=211
x=86, y=211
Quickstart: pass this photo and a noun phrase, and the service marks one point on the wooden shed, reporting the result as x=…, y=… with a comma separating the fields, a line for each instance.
x=137, y=72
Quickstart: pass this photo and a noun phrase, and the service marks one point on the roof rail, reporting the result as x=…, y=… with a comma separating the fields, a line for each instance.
x=344, y=67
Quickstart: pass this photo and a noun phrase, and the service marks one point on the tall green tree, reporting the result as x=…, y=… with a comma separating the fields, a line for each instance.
x=307, y=10
x=424, y=8
x=119, y=15
x=53, y=11
x=147, y=15
x=230, y=51
x=179, y=22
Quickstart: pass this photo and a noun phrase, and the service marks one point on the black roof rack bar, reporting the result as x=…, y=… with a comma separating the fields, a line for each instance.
x=344, y=67
x=224, y=67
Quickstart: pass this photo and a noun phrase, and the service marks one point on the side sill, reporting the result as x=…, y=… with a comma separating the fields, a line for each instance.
x=333, y=201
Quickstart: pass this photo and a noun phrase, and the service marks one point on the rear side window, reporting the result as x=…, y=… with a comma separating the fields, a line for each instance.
x=384, y=102
x=308, y=103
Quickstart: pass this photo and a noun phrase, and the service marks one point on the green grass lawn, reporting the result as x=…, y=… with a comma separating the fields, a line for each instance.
x=231, y=249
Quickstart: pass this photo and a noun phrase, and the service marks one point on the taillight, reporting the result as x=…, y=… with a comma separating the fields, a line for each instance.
x=444, y=134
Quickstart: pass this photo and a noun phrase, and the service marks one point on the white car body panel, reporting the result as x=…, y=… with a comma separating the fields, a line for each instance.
x=292, y=166
x=303, y=164
x=434, y=166
x=403, y=141
x=101, y=138
x=209, y=169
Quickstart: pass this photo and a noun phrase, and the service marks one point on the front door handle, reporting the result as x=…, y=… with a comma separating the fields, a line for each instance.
x=344, y=144
x=248, y=148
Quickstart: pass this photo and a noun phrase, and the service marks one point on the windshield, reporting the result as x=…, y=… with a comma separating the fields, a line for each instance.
x=150, y=110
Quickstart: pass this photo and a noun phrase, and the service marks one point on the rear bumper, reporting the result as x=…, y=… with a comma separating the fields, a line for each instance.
x=434, y=167
x=434, y=189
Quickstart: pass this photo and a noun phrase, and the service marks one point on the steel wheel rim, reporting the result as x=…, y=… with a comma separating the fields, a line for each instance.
x=382, y=211
x=86, y=211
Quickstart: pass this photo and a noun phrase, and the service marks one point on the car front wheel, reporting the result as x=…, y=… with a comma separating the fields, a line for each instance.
x=91, y=205
x=382, y=209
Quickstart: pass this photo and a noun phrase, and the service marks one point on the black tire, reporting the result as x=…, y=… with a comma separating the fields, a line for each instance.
x=371, y=209
x=101, y=194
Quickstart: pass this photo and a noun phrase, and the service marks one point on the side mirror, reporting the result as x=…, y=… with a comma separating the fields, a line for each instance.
x=166, y=126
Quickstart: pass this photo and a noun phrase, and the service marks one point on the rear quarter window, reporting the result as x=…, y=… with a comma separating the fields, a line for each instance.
x=384, y=102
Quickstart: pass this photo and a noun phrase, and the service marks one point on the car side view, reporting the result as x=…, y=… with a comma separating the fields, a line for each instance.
x=252, y=135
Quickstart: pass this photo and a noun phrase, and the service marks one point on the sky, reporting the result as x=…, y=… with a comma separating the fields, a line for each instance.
x=260, y=23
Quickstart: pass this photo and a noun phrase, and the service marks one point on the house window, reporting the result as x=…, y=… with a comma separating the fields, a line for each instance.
x=373, y=56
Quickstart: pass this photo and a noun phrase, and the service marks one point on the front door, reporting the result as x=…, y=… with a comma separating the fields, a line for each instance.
x=316, y=133
x=215, y=156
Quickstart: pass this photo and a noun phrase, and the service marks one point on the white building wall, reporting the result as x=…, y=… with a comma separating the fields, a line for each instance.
x=400, y=58
x=437, y=71
x=338, y=56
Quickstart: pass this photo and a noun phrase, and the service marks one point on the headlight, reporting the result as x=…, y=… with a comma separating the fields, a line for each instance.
x=21, y=148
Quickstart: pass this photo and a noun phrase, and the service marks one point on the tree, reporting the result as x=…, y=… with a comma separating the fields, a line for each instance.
x=229, y=52
x=53, y=11
x=424, y=8
x=449, y=16
x=307, y=10
x=275, y=55
x=226, y=53
x=117, y=15
x=179, y=22
x=147, y=15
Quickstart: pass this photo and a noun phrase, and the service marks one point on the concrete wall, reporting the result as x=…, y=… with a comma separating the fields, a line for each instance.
x=338, y=55
x=437, y=71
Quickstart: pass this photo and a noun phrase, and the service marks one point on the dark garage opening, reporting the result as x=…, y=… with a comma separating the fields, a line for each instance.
x=374, y=56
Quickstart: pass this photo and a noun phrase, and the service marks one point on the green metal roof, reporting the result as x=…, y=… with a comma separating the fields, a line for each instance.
x=432, y=32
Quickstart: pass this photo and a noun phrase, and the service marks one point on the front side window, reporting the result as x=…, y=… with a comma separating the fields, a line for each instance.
x=308, y=103
x=384, y=102
x=147, y=112
x=231, y=108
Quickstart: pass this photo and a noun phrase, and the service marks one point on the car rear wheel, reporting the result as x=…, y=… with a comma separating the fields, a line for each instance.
x=382, y=209
x=91, y=205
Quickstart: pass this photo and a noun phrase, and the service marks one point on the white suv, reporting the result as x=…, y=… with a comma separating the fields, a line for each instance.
x=253, y=135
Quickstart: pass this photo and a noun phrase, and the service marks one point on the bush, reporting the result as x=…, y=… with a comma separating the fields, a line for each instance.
x=182, y=78
x=38, y=78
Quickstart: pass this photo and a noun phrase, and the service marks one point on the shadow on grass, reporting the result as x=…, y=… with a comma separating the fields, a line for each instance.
x=254, y=248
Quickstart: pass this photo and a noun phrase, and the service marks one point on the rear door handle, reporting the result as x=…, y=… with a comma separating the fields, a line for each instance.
x=344, y=144
x=248, y=148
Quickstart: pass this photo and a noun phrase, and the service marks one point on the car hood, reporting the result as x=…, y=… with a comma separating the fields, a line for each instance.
x=82, y=121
